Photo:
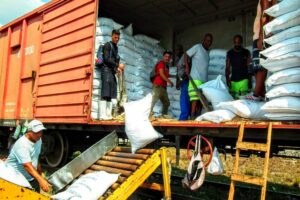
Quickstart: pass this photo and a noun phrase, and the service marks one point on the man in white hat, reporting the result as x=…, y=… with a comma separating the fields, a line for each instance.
x=24, y=156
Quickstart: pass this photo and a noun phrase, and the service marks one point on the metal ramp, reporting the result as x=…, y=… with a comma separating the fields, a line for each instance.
x=134, y=169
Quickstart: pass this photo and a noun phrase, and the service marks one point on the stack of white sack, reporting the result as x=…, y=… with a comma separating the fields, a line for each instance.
x=217, y=63
x=147, y=53
x=139, y=54
x=135, y=74
x=283, y=60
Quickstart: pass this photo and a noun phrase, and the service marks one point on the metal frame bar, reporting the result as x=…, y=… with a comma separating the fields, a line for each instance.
x=13, y=191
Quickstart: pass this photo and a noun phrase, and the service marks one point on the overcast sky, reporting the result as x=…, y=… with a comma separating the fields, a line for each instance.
x=12, y=9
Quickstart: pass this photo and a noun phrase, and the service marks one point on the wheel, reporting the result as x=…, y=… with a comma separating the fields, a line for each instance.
x=206, y=148
x=56, y=148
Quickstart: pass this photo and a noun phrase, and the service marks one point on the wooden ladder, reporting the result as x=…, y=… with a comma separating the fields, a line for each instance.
x=240, y=145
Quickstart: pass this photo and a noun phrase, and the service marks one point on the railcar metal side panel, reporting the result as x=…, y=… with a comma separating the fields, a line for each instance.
x=65, y=76
x=19, y=54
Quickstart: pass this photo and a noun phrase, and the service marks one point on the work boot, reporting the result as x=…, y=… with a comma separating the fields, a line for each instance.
x=102, y=110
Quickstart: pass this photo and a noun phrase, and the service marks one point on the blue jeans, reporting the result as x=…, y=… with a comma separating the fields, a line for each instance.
x=184, y=101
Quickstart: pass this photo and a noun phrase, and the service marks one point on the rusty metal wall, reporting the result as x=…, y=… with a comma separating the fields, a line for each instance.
x=19, y=44
x=65, y=74
x=46, y=60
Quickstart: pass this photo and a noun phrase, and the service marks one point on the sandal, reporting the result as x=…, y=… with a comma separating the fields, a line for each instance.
x=252, y=98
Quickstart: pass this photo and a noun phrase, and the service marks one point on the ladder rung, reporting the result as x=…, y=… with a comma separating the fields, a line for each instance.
x=252, y=146
x=247, y=179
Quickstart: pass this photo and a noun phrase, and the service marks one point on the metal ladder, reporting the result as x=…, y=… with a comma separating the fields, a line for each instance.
x=259, y=147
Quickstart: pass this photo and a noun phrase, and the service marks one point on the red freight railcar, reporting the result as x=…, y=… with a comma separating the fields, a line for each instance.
x=46, y=71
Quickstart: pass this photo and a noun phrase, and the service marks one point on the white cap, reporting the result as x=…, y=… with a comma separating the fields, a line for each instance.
x=36, y=126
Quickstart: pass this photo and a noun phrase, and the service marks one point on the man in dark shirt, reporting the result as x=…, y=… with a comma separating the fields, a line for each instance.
x=238, y=59
x=110, y=67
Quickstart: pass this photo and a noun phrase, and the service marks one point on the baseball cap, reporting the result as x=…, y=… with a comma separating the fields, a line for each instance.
x=36, y=126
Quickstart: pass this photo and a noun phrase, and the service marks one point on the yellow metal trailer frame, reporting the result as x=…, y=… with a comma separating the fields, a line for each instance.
x=10, y=190
x=126, y=189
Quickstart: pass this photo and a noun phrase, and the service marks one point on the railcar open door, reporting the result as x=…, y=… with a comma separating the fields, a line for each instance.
x=64, y=79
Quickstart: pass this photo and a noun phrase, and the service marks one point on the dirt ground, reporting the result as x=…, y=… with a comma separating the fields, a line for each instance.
x=282, y=171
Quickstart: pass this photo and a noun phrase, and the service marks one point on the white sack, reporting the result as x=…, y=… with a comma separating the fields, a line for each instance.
x=284, y=35
x=282, y=62
x=97, y=73
x=143, y=73
x=176, y=113
x=288, y=89
x=96, y=83
x=217, y=61
x=95, y=115
x=283, y=105
x=175, y=105
x=127, y=58
x=101, y=40
x=216, y=69
x=126, y=43
x=146, y=39
x=95, y=106
x=134, y=96
x=216, y=96
x=144, y=83
x=103, y=21
x=216, y=91
x=291, y=75
x=283, y=7
x=128, y=30
x=216, y=83
x=125, y=50
x=282, y=116
x=97, y=91
x=96, y=97
x=88, y=187
x=215, y=167
x=214, y=76
x=138, y=128
x=283, y=22
x=218, y=53
x=244, y=108
x=9, y=174
x=217, y=116
x=141, y=45
x=282, y=48
x=104, y=30
x=176, y=97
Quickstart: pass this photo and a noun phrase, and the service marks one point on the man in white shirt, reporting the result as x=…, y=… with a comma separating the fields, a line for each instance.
x=200, y=58
x=24, y=156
